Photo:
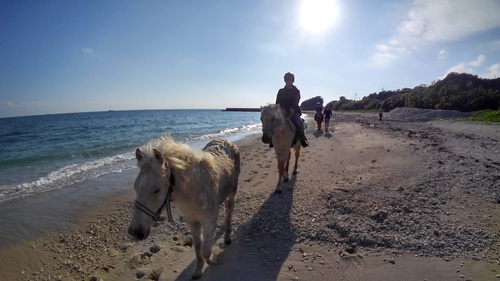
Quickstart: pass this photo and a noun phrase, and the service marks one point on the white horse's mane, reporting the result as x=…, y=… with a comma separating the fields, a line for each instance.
x=275, y=110
x=177, y=154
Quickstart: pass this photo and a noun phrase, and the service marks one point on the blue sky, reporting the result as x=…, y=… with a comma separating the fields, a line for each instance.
x=75, y=56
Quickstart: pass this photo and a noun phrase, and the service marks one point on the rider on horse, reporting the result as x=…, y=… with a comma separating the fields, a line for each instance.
x=288, y=98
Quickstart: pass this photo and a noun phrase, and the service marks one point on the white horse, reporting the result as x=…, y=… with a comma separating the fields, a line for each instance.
x=277, y=127
x=198, y=180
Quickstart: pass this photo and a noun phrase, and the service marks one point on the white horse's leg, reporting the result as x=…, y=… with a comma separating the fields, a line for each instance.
x=195, y=228
x=208, y=236
x=229, y=203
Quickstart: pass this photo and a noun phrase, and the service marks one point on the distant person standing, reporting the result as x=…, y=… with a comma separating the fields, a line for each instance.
x=327, y=114
x=318, y=117
x=380, y=114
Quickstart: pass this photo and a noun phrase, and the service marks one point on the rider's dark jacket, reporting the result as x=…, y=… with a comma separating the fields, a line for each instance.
x=288, y=98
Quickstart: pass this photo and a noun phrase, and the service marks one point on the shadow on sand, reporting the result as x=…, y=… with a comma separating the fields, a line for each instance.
x=320, y=133
x=259, y=247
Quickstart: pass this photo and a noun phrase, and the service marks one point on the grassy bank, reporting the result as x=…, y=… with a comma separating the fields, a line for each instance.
x=486, y=116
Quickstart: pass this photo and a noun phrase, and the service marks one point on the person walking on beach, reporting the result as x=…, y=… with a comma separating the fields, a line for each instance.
x=327, y=114
x=318, y=117
x=380, y=114
x=288, y=98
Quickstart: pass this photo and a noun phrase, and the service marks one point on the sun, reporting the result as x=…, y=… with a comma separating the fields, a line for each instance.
x=318, y=15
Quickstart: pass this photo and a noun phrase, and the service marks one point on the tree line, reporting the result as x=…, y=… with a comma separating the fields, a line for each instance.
x=457, y=91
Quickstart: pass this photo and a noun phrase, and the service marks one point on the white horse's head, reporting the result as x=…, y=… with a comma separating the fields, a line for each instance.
x=151, y=187
x=271, y=117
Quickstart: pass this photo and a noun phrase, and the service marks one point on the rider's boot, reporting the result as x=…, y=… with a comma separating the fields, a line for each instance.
x=303, y=140
x=271, y=145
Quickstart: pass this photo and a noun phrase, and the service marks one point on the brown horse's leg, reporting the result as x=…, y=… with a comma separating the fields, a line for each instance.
x=297, y=154
x=281, y=170
x=195, y=228
x=229, y=216
x=287, y=165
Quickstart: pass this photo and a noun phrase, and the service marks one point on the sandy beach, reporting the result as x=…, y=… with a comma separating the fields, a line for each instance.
x=373, y=200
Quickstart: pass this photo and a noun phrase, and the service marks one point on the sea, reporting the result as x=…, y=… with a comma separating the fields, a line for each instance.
x=47, y=152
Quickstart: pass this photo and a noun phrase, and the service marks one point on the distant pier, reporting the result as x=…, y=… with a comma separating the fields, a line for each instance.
x=247, y=109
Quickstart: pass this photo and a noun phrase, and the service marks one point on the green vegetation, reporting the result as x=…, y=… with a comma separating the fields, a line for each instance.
x=486, y=116
x=462, y=92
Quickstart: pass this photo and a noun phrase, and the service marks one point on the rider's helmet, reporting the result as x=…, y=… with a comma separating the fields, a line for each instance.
x=289, y=75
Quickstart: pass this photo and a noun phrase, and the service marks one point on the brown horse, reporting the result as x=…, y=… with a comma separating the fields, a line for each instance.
x=198, y=180
x=318, y=117
x=277, y=127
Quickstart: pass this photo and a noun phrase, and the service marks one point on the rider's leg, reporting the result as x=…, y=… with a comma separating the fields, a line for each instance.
x=300, y=129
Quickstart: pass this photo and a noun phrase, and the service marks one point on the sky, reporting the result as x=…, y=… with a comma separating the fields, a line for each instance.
x=63, y=56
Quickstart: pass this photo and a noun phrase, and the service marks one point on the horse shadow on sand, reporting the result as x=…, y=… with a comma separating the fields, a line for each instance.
x=259, y=247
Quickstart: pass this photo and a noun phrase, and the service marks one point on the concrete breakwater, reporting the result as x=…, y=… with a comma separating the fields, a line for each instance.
x=250, y=109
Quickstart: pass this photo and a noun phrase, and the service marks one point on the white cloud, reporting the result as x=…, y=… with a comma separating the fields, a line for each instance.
x=6, y=104
x=449, y=20
x=87, y=51
x=432, y=21
x=442, y=54
x=459, y=68
x=493, y=71
x=478, y=61
x=385, y=53
x=495, y=44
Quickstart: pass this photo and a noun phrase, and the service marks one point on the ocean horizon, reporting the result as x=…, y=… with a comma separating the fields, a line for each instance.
x=39, y=153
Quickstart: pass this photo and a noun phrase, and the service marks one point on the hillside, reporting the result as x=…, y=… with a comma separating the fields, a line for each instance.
x=462, y=92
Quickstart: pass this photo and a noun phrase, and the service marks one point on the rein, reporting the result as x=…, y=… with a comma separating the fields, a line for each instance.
x=166, y=203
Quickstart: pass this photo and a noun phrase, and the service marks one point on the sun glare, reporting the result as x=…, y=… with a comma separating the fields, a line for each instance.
x=318, y=15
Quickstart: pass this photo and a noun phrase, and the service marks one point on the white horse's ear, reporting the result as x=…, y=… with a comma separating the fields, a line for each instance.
x=138, y=154
x=158, y=155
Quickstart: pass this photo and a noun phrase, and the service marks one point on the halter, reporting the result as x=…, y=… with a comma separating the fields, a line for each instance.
x=271, y=128
x=166, y=202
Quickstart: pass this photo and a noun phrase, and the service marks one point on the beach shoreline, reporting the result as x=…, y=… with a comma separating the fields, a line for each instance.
x=348, y=179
